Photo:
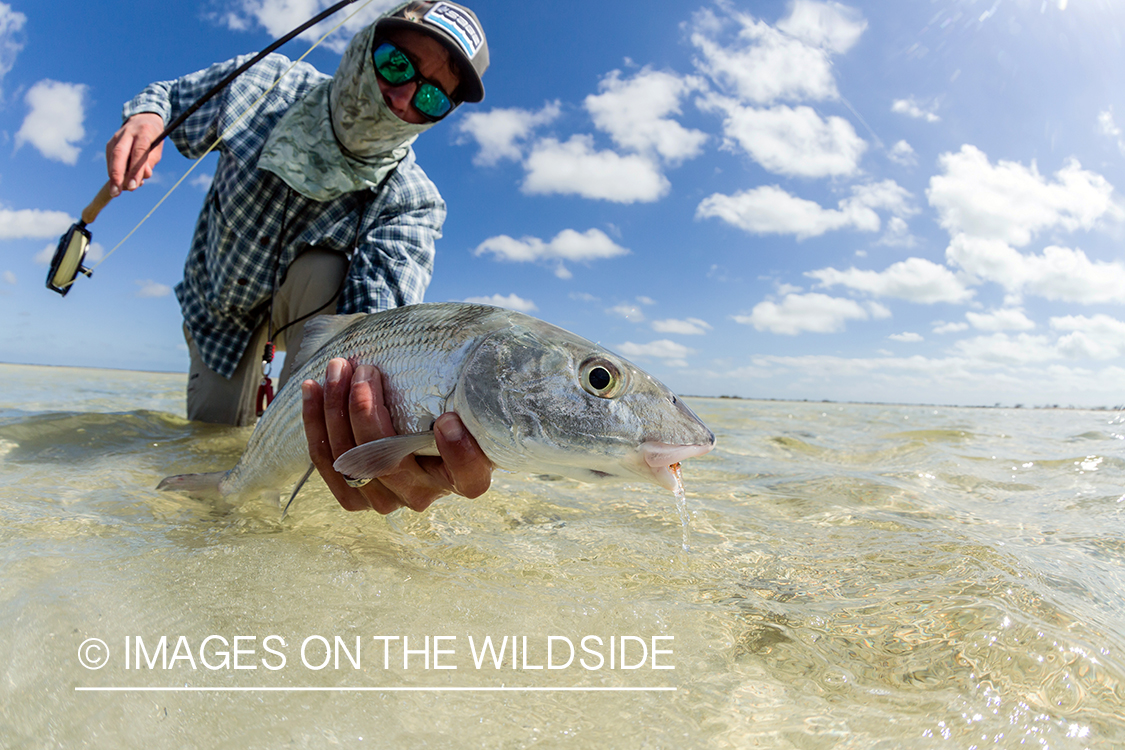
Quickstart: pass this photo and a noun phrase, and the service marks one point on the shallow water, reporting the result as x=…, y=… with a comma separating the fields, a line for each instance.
x=859, y=576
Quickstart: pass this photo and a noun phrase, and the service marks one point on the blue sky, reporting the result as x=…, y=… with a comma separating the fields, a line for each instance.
x=911, y=202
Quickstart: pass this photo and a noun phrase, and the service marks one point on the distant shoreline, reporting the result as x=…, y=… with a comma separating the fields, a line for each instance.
x=85, y=367
x=1069, y=407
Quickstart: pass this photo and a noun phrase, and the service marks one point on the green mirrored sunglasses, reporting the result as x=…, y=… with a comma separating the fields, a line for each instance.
x=394, y=67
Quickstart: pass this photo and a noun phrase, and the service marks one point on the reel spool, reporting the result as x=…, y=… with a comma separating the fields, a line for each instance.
x=67, y=263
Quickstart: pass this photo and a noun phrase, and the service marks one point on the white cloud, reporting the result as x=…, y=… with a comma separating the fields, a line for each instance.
x=1023, y=349
x=989, y=211
x=897, y=234
x=635, y=113
x=911, y=108
x=32, y=223
x=95, y=253
x=793, y=141
x=1011, y=203
x=11, y=37
x=907, y=337
x=940, y=326
x=202, y=181
x=718, y=273
x=673, y=354
x=279, y=17
x=688, y=327
x=950, y=379
x=575, y=168
x=567, y=245
x=771, y=210
x=817, y=313
x=877, y=310
x=764, y=64
x=150, y=288
x=1008, y=319
x=54, y=123
x=913, y=279
x=887, y=194
x=500, y=133
x=1059, y=273
x=631, y=313
x=1108, y=127
x=9, y=277
x=902, y=153
x=1097, y=337
x=512, y=302
x=830, y=26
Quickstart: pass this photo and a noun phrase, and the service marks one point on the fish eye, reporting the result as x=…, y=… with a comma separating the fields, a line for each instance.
x=601, y=378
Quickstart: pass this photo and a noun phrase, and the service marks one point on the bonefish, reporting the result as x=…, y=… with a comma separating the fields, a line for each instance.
x=536, y=398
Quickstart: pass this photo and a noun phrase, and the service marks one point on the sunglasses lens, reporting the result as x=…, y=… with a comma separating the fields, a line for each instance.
x=395, y=68
x=392, y=65
x=430, y=101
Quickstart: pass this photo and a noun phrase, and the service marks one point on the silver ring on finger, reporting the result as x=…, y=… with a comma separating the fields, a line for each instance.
x=357, y=483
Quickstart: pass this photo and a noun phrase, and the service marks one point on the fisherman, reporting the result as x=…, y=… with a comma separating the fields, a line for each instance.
x=316, y=206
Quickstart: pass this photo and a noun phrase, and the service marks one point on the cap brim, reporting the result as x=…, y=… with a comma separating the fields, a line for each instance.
x=471, y=87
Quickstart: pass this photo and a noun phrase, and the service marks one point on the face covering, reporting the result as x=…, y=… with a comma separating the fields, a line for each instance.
x=341, y=136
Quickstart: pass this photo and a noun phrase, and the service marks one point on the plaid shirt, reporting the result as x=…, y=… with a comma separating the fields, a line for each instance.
x=230, y=270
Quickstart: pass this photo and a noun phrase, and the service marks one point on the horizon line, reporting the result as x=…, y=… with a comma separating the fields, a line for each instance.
x=720, y=397
x=345, y=689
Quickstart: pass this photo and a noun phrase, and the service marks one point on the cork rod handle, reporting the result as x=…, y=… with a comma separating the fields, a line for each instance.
x=101, y=200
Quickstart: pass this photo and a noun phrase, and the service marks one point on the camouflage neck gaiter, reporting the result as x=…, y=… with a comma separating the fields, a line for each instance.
x=341, y=136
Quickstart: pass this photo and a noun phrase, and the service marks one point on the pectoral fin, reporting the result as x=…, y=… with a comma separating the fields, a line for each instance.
x=380, y=457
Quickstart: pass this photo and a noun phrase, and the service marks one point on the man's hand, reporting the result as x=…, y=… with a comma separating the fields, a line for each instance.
x=125, y=154
x=350, y=410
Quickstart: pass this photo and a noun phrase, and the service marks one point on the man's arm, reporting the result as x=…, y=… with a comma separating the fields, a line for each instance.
x=394, y=260
x=351, y=410
x=146, y=114
x=128, y=159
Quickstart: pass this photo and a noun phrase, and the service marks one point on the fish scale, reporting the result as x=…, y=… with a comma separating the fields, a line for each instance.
x=515, y=381
x=403, y=347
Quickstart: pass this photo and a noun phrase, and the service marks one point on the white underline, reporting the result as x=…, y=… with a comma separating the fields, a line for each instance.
x=186, y=689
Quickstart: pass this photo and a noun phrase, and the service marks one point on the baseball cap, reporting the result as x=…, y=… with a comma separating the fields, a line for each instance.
x=457, y=28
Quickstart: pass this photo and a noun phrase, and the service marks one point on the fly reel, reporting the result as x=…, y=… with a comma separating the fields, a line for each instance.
x=67, y=263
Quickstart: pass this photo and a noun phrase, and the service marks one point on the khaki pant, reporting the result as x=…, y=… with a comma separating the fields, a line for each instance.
x=312, y=280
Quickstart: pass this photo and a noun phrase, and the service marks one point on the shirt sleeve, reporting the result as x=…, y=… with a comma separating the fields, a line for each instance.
x=169, y=99
x=394, y=260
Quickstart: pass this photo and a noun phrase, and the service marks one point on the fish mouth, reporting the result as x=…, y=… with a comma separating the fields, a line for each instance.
x=663, y=459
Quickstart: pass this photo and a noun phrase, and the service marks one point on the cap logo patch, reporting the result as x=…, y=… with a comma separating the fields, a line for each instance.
x=458, y=24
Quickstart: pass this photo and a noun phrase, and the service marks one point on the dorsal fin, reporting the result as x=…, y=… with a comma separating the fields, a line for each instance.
x=319, y=331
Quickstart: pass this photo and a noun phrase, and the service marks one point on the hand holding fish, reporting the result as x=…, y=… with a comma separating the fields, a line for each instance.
x=478, y=386
x=350, y=410
x=127, y=153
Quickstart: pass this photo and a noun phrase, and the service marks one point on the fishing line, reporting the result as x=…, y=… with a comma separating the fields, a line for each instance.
x=222, y=135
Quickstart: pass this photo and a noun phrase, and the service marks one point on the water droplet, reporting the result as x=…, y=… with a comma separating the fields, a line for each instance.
x=681, y=505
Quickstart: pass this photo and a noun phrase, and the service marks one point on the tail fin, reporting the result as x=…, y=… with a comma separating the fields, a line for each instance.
x=197, y=485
